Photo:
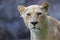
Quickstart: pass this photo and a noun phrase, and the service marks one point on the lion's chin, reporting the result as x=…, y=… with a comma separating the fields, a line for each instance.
x=35, y=28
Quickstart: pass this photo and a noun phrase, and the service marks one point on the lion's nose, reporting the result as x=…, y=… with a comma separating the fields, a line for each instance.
x=34, y=23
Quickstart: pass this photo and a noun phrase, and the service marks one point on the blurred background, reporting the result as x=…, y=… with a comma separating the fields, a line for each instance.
x=12, y=26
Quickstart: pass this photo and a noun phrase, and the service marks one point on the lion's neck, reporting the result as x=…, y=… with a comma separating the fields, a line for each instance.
x=39, y=34
x=35, y=34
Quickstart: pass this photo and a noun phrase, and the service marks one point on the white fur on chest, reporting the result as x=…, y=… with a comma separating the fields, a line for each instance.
x=36, y=35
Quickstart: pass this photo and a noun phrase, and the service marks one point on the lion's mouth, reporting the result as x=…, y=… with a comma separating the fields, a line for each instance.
x=35, y=28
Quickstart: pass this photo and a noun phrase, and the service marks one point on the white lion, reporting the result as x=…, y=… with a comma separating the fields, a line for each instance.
x=42, y=26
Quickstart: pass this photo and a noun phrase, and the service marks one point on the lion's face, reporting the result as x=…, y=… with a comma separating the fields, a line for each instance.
x=34, y=15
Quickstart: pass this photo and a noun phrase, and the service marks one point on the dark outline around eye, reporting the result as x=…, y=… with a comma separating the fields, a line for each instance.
x=39, y=13
x=28, y=14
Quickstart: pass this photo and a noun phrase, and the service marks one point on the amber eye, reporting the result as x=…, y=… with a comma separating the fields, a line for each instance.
x=29, y=14
x=39, y=13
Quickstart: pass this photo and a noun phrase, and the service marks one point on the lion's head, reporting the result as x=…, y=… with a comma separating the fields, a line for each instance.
x=34, y=15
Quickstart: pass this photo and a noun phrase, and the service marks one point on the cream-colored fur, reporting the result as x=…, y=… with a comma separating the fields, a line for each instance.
x=46, y=28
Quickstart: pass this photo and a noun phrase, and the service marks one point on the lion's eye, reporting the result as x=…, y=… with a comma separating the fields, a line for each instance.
x=39, y=13
x=29, y=14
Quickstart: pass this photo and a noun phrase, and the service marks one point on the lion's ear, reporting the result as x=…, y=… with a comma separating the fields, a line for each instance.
x=21, y=8
x=45, y=6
